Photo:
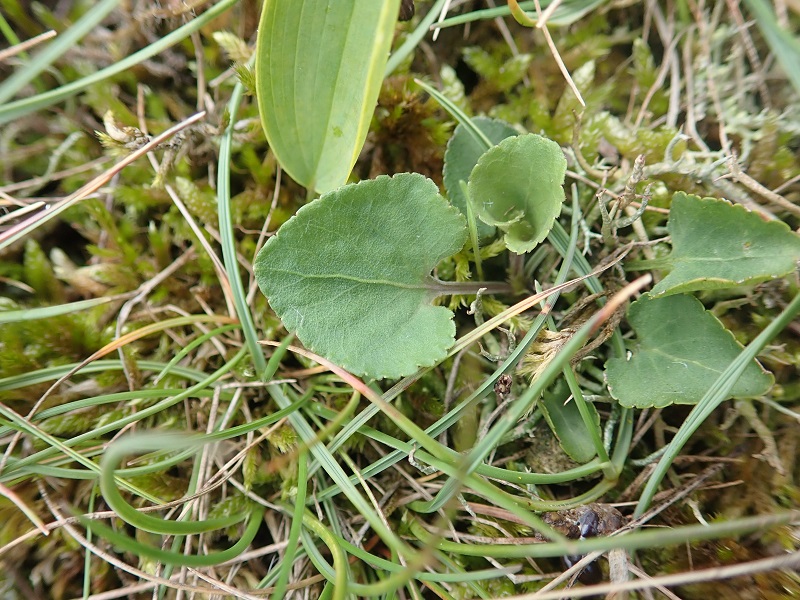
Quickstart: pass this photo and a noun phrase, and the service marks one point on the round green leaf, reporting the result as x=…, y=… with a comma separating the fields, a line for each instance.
x=682, y=349
x=517, y=186
x=463, y=152
x=351, y=274
x=717, y=245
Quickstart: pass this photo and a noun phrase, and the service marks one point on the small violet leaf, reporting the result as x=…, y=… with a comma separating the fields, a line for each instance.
x=682, y=349
x=350, y=273
x=517, y=186
x=463, y=152
x=719, y=245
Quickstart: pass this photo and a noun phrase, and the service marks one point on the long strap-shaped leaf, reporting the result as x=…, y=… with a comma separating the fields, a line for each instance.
x=319, y=68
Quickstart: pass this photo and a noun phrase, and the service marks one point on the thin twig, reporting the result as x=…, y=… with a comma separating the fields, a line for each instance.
x=782, y=562
x=554, y=51
x=22, y=228
x=754, y=186
x=26, y=45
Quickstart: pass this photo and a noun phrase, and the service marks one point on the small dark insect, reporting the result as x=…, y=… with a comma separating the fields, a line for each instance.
x=588, y=524
x=406, y=10
x=594, y=520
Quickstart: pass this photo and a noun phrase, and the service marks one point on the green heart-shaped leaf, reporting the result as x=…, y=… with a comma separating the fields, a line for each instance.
x=517, y=186
x=718, y=245
x=351, y=274
x=682, y=349
x=319, y=68
x=463, y=152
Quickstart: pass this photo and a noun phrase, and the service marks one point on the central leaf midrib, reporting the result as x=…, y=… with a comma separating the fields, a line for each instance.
x=419, y=286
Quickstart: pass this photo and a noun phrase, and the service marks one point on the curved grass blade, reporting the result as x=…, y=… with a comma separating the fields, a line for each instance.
x=140, y=443
x=168, y=557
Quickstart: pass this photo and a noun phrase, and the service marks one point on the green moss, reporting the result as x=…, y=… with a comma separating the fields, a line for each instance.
x=39, y=274
x=201, y=203
x=284, y=439
x=503, y=72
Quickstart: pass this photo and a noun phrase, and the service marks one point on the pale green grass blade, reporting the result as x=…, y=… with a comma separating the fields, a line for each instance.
x=457, y=113
x=87, y=564
x=144, y=413
x=56, y=49
x=413, y=40
x=45, y=312
x=651, y=538
x=169, y=557
x=294, y=529
x=142, y=442
x=566, y=13
x=98, y=366
x=228, y=240
x=336, y=575
x=784, y=44
x=18, y=108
